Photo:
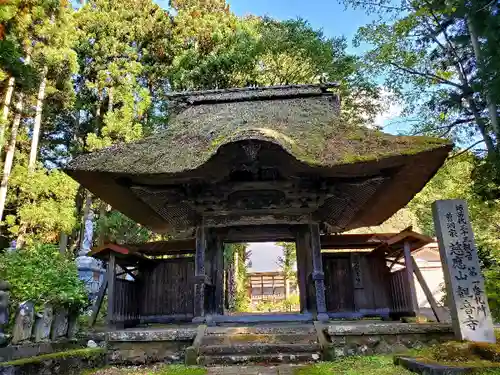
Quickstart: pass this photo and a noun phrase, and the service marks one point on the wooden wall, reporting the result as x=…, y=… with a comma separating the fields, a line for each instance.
x=126, y=302
x=338, y=283
x=168, y=288
x=356, y=282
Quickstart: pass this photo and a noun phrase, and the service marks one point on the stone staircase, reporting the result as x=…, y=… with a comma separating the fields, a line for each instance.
x=263, y=344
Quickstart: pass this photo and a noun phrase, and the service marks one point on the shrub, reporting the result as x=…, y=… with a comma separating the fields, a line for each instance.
x=40, y=274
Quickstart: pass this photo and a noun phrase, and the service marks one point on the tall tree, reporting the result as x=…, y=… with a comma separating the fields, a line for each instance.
x=439, y=62
x=288, y=262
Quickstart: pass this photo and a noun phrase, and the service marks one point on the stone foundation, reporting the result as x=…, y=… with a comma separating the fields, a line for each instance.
x=135, y=353
x=141, y=346
x=379, y=338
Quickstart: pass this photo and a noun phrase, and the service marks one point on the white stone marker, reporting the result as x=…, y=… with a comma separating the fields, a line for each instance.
x=470, y=313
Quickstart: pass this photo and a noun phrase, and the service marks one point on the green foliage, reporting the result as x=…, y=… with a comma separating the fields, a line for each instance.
x=492, y=283
x=242, y=255
x=454, y=181
x=39, y=273
x=367, y=365
x=439, y=60
x=288, y=261
x=118, y=228
x=42, y=200
x=290, y=304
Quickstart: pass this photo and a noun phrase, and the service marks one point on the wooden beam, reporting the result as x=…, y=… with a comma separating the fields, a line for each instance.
x=301, y=249
x=219, y=276
x=318, y=275
x=128, y=272
x=98, y=302
x=111, y=274
x=427, y=291
x=409, y=275
x=199, y=273
x=396, y=259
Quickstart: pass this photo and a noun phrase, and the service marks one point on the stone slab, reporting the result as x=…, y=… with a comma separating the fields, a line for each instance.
x=158, y=334
x=468, y=303
x=418, y=367
x=381, y=328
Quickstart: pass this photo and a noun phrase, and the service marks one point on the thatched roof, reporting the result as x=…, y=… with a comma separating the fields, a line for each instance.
x=301, y=121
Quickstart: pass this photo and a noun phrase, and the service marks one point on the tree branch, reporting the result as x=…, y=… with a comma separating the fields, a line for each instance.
x=427, y=75
x=465, y=150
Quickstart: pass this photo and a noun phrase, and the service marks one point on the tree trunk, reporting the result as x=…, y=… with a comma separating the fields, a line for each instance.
x=63, y=243
x=110, y=99
x=6, y=109
x=492, y=107
x=38, y=121
x=9, y=156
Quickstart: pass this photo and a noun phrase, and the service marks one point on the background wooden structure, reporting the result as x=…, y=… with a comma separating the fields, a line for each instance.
x=157, y=282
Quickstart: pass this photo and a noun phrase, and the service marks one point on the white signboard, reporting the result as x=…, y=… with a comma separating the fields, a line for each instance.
x=464, y=282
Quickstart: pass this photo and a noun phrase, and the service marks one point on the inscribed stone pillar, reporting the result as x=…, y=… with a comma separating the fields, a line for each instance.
x=199, y=275
x=318, y=275
x=464, y=282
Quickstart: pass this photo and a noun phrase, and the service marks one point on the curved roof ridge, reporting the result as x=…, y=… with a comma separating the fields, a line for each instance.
x=254, y=93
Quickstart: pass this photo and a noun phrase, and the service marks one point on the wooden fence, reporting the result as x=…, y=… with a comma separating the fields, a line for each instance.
x=401, y=293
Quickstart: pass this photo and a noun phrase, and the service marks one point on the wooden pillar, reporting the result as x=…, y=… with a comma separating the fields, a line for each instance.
x=409, y=274
x=318, y=275
x=199, y=275
x=218, y=276
x=302, y=270
x=111, y=276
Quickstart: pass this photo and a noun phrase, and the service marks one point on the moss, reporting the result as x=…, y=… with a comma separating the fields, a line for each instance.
x=83, y=353
x=462, y=354
x=369, y=365
x=163, y=370
x=307, y=128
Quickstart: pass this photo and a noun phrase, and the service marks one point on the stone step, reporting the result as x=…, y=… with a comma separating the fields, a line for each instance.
x=214, y=360
x=259, y=349
x=263, y=329
x=260, y=338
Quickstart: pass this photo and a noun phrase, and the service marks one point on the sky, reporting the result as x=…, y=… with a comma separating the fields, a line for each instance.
x=328, y=15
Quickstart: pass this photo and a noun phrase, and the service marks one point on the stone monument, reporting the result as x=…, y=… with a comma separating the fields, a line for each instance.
x=90, y=270
x=43, y=323
x=4, y=311
x=23, y=326
x=467, y=298
x=59, y=324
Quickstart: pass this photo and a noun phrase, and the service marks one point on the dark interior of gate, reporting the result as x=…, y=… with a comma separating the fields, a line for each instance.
x=261, y=164
x=155, y=282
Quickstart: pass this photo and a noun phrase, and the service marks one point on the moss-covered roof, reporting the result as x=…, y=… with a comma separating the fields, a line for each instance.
x=303, y=122
x=300, y=134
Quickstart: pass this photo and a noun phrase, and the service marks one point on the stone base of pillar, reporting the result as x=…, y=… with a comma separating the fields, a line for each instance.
x=199, y=319
x=323, y=317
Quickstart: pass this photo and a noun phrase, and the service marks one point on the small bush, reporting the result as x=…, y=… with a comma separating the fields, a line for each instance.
x=40, y=274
